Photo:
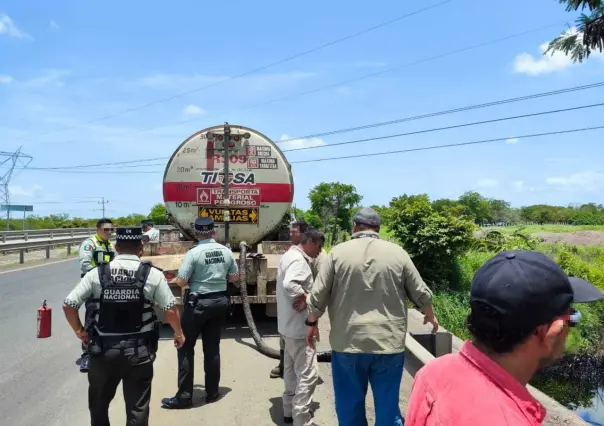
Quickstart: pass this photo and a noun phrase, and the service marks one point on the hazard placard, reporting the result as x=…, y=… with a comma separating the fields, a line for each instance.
x=239, y=197
x=238, y=215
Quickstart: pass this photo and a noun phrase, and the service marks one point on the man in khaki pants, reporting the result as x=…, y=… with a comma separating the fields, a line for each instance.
x=300, y=368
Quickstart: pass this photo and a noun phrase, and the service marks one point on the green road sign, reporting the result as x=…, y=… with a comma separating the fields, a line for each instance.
x=16, y=208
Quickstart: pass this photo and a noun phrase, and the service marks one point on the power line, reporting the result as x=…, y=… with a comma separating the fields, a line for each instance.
x=374, y=138
x=262, y=68
x=456, y=126
x=353, y=80
x=448, y=111
x=485, y=141
x=134, y=163
x=451, y=145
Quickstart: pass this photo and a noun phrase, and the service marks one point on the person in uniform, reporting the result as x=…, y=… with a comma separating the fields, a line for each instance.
x=205, y=269
x=150, y=231
x=94, y=250
x=122, y=336
x=365, y=284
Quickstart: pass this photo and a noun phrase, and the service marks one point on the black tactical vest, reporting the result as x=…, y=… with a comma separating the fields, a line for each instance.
x=122, y=304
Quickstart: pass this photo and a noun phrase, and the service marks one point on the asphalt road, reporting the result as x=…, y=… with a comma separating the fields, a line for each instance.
x=40, y=383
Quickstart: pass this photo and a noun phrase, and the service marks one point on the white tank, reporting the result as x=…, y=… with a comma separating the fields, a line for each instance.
x=261, y=184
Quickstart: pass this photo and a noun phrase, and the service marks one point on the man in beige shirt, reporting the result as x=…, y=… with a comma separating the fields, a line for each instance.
x=300, y=369
x=365, y=283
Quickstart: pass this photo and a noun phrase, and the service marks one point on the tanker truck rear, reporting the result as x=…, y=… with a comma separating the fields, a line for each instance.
x=261, y=192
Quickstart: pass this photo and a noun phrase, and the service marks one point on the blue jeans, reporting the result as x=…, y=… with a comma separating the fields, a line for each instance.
x=351, y=375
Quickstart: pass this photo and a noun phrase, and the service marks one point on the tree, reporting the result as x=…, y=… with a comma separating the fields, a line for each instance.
x=588, y=36
x=433, y=240
x=476, y=206
x=333, y=203
x=158, y=212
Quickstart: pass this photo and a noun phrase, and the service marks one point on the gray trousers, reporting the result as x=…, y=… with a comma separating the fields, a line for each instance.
x=300, y=375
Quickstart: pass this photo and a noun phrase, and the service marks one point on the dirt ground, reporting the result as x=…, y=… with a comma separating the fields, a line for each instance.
x=578, y=238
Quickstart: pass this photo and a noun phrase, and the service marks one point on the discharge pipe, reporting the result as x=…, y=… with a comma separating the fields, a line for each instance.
x=261, y=345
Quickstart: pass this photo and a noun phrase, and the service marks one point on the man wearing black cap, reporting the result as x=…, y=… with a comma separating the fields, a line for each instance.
x=520, y=315
x=122, y=337
x=365, y=282
x=205, y=269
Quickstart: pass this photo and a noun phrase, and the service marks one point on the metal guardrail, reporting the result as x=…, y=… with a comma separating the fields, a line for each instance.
x=40, y=244
x=26, y=235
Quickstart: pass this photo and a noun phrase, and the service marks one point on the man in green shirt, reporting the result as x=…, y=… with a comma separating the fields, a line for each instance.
x=206, y=269
x=364, y=285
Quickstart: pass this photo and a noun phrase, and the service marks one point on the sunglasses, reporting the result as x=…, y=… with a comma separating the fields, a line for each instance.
x=107, y=229
x=572, y=318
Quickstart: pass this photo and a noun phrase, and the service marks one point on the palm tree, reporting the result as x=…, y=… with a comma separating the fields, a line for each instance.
x=588, y=36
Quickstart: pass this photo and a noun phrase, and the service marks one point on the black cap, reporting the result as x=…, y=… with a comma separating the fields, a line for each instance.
x=204, y=224
x=129, y=233
x=146, y=222
x=367, y=216
x=527, y=288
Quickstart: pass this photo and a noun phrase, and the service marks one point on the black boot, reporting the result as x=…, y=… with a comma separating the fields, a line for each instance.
x=278, y=370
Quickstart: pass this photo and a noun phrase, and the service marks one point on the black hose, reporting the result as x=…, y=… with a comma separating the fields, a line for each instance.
x=261, y=345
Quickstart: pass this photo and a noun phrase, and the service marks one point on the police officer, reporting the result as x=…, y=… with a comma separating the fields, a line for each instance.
x=206, y=269
x=93, y=250
x=123, y=335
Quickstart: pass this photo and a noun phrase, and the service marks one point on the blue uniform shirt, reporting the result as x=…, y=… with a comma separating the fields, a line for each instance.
x=207, y=266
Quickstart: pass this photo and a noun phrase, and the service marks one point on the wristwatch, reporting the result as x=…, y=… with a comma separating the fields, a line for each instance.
x=310, y=324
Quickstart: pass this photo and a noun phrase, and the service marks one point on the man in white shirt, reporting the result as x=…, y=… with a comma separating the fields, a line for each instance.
x=300, y=369
x=151, y=232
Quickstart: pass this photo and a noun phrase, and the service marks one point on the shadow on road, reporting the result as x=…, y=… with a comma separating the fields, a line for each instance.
x=276, y=410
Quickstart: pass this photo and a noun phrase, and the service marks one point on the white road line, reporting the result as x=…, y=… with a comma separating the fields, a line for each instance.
x=35, y=266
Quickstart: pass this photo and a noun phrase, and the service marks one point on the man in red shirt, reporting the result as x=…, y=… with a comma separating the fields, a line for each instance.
x=520, y=317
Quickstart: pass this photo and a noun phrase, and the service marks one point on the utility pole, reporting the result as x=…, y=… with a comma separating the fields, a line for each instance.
x=226, y=200
x=11, y=159
x=103, y=202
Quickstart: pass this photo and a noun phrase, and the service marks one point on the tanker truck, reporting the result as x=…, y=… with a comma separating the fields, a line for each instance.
x=261, y=192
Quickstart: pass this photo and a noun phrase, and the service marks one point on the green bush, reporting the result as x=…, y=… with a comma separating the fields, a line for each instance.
x=432, y=240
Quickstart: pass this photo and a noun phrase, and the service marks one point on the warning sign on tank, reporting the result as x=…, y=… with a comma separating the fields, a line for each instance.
x=237, y=215
x=262, y=163
x=258, y=151
x=239, y=197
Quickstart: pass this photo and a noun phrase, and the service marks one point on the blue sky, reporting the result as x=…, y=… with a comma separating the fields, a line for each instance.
x=65, y=64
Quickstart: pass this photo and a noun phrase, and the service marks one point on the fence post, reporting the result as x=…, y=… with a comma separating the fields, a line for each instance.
x=48, y=251
x=22, y=256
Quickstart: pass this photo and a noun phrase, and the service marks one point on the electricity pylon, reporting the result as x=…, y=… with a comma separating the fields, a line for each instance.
x=10, y=160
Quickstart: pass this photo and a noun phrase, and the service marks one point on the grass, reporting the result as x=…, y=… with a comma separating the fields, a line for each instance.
x=531, y=229
x=452, y=307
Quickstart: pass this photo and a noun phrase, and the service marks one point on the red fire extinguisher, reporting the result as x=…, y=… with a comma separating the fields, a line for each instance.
x=44, y=321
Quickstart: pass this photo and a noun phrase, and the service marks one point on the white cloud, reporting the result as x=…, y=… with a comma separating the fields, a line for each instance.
x=54, y=25
x=192, y=110
x=18, y=190
x=299, y=143
x=191, y=82
x=10, y=29
x=525, y=63
x=487, y=183
x=520, y=186
x=512, y=140
x=50, y=77
x=6, y=79
x=583, y=181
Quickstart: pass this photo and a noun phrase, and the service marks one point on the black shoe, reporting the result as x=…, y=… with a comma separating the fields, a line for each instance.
x=176, y=403
x=277, y=372
x=213, y=398
x=291, y=419
x=84, y=364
